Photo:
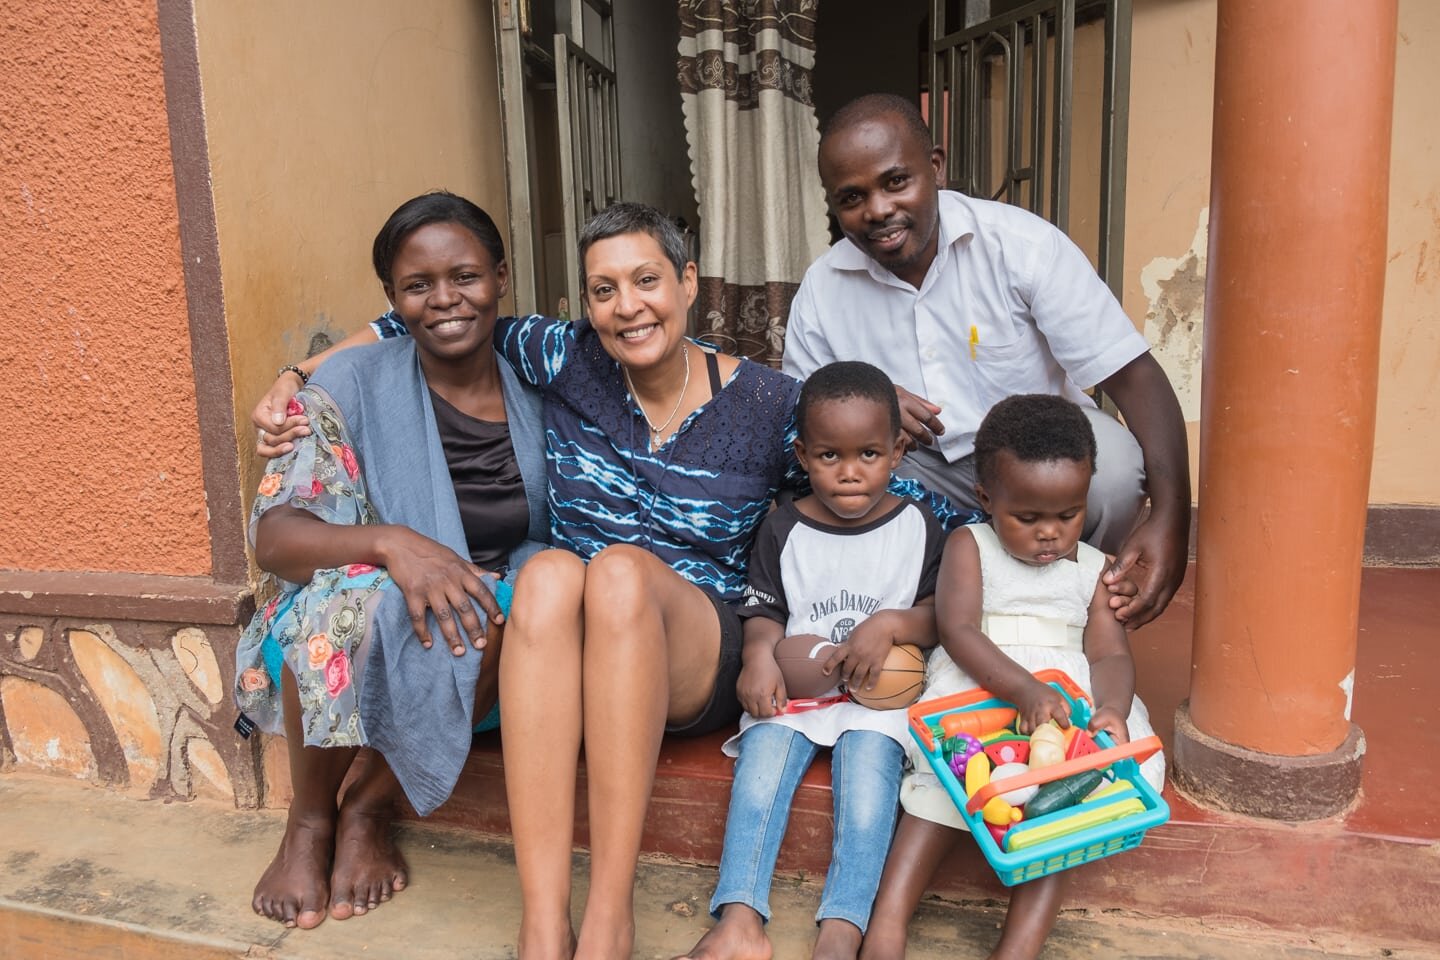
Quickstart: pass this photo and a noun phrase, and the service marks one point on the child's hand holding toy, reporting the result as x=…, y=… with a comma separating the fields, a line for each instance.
x=1038, y=703
x=1112, y=721
x=862, y=656
x=761, y=687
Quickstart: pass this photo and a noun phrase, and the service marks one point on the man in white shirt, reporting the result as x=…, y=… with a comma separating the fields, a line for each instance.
x=964, y=302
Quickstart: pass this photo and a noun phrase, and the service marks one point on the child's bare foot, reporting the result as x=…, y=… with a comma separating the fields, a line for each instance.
x=838, y=940
x=740, y=935
x=295, y=888
x=883, y=941
x=368, y=868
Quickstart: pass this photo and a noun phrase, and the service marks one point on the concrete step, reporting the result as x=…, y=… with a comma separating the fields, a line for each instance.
x=91, y=874
x=1202, y=865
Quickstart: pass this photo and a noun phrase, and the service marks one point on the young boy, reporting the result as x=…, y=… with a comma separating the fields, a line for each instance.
x=857, y=565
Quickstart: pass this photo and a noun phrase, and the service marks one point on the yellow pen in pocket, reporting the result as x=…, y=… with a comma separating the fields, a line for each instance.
x=974, y=340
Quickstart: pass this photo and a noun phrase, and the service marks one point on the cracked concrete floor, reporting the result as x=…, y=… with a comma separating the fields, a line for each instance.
x=90, y=874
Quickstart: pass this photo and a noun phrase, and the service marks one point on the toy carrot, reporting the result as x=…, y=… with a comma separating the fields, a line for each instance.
x=977, y=722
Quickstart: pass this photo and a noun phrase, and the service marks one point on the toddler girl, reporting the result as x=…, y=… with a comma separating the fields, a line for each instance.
x=1015, y=595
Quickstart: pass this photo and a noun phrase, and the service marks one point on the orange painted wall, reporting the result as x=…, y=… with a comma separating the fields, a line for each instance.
x=100, y=467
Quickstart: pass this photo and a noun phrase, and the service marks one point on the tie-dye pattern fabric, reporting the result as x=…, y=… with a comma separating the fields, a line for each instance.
x=694, y=503
x=697, y=501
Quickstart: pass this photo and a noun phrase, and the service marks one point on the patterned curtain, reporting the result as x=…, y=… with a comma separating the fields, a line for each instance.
x=745, y=68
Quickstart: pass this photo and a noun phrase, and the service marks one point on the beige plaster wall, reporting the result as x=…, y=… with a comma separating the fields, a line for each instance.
x=100, y=469
x=1167, y=203
x=1407, y=436
x=322, y=117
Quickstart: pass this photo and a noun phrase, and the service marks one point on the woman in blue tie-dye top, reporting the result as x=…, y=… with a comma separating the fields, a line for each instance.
x=663, y=457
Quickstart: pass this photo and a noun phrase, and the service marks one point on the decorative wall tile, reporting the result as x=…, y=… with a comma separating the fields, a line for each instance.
x=205, y=760
x=139, y=706
x=45, y=733
x=30, y=641
x=126, y=701
x=197, y=658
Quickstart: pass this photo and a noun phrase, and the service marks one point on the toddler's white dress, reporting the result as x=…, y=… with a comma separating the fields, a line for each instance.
x=1036, y=615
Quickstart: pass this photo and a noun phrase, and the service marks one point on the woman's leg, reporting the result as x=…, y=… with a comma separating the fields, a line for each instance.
x=368, y=867
x=919, y=848
x=865, y=769
x=295, y=888
x=773, y=758
x=1033, y=909
x=652, y=649
x=540, y=711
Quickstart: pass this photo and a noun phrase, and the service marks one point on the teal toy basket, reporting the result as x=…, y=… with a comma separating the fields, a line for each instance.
x=1094, y=828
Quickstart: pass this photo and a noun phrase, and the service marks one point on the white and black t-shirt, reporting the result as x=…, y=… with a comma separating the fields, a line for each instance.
x=822, y=579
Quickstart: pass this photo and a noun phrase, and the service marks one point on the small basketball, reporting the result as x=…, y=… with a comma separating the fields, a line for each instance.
x=801, y=657
x=901, y=682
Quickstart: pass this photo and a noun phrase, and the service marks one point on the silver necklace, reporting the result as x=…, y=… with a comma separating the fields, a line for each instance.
x=656, y=432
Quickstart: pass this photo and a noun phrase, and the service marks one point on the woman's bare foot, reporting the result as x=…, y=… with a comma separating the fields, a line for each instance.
x=612, y=940
x=545, y=942
x=368, y=868
x=295, y=888
x=838, y=940
x=883, y=941
x=739, y=935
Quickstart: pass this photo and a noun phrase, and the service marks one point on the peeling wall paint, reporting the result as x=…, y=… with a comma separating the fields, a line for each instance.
x=1175, y=315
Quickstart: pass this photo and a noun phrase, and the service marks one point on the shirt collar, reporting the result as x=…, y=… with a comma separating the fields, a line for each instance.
x=957, y=222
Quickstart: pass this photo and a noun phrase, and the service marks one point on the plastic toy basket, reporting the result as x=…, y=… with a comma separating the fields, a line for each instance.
x=1108, y=832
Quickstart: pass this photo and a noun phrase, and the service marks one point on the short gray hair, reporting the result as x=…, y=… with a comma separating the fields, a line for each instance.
x=619, y=219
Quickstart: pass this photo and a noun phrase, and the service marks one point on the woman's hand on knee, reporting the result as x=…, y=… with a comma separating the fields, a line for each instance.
x=435, y=579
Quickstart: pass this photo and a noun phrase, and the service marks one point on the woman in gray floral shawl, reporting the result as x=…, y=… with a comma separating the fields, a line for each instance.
x=395, y=522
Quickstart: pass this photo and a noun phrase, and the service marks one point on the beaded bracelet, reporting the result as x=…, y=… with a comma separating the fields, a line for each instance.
x=291, y=368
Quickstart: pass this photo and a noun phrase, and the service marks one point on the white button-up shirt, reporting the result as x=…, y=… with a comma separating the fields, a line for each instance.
x=1009, y=305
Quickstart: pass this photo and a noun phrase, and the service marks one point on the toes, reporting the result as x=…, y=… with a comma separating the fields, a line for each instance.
x=342, y=909
x=309, y=919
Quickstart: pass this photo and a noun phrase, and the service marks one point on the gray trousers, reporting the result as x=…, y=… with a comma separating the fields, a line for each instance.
x=1117, y=491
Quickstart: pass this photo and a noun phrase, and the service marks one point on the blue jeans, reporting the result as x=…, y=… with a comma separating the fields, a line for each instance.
x=865, y=779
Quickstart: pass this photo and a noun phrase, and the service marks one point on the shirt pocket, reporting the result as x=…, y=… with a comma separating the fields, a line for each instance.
x=1009, y=367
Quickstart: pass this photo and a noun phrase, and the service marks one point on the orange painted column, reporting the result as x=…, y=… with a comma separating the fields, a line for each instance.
x=1296, y=273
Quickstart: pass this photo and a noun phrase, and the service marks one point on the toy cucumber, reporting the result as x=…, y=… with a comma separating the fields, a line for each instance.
x=1063, y=793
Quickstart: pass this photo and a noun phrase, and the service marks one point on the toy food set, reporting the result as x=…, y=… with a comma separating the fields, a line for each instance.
x=1041, y=803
